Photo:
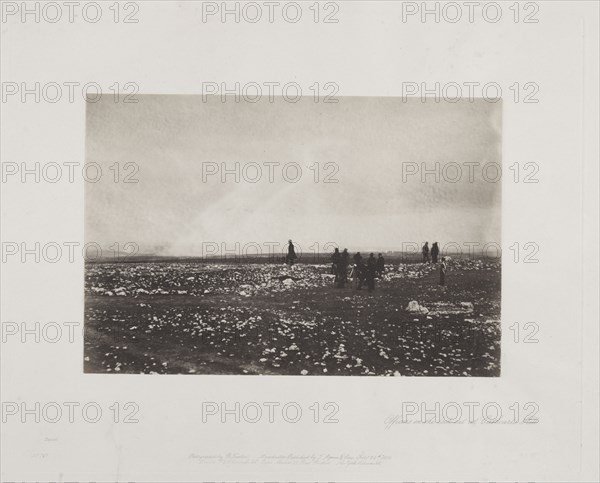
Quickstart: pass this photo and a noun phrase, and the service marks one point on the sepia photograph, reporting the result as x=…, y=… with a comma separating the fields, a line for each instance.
x=299, y=241
x=346, y=236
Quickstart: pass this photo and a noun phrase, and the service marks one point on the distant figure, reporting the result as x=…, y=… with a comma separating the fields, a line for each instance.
x=335, y=260
x=371, y=272
x=443, y=272
x=356, y=278
x=380, y=265
x=435, y=251
x=358, y=272
x=426, y=252
x=291, y=255
x=343, y=268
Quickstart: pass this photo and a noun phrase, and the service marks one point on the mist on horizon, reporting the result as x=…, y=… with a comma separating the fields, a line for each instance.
x=354, y=187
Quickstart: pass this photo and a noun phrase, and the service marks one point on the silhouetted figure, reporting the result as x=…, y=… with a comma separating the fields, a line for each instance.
x=371, y=272
x=435, y=251
x=358, y=273
x=354, y=275
x=291, y=255
x=443, y=272
x=380, y=265
x=426, y=252
x=343, y=268
x=335, y=260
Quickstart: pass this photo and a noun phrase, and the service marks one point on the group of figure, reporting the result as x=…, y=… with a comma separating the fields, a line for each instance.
x=435, y=251
x=361, y=271
x=368, y=271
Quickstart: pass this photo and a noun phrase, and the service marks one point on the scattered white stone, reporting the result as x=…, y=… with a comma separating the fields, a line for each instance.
x=413, y=306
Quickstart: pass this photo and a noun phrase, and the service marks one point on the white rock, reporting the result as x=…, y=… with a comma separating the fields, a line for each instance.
x=413, y=306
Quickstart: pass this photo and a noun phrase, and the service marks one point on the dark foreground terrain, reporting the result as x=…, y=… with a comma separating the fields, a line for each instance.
x=196, y=318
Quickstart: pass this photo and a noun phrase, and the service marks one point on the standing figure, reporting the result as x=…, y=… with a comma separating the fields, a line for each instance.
x=426, y=252
x=291, y=255
x=358, y=273
x=343, y=268
x=380, y=265
x=335, y=260
x=443, y=272
x=371, y=272
x=435, y=251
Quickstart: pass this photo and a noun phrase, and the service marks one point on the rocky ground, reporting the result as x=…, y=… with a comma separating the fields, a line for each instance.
x=194, y=318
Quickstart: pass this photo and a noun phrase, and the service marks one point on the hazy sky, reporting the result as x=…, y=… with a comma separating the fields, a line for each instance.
x=171, y=138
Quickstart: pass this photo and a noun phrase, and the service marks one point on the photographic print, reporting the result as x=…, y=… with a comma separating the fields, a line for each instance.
x=348, y=236
x=299, y=241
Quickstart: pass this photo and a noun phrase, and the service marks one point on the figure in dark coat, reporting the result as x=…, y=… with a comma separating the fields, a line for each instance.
x=291, y=255
x=380, y=265
x=359, y=270
x=371, y=272
x=426, y=252
x=335, y=260
x=443, y=272
x=435, y=251
x=343, y=268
